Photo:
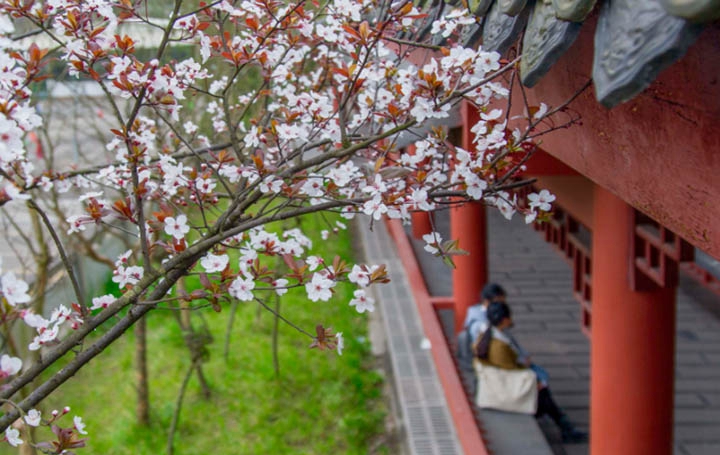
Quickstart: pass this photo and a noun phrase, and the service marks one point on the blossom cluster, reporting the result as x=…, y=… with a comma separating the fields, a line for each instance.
x=287, y=109
x=359, y=86
x=66, y=438
x=358, y=62
x=387, y=91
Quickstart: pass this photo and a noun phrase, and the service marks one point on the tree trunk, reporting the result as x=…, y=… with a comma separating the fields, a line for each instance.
x=276, y=330
x=27, y=449
x=142, y=409
x=190, y=340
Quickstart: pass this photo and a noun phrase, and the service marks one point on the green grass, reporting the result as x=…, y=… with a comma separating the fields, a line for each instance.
x=321, y=403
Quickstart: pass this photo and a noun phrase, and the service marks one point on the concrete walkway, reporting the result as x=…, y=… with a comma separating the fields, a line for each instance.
x=426, y=425
x=538, y=281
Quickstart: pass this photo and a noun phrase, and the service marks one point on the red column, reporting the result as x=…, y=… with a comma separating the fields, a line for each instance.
x=421, y=224
x=633, y=344
x=468, y=224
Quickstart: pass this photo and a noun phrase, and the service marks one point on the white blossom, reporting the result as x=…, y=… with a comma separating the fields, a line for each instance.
x=9, y=365
x=102, y=301
x=241, y=289
x=432, y=242
x=362, y=302
x=12, y=435
x=79, y=425
x=177, y=227
x=33, y=418
x=214, y=263
x=339, y=342
x=127, y=275
x=14, y=289
x=541, y=201
x=319, y=288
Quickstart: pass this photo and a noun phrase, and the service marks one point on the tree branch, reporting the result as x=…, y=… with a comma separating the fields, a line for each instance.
x=61, y=250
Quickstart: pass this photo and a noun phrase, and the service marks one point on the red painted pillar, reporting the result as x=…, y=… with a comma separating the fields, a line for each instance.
x=633, y=344
x=421, y=223
x=468, y=224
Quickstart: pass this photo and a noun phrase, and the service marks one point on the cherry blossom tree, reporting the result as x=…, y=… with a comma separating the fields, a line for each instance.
x=287, y=108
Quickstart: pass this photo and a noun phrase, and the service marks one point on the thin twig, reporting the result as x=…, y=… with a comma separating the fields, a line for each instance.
x=178, y=407
x=276, y=330
x=282, y=318
x=61, y=251
x=228, y=331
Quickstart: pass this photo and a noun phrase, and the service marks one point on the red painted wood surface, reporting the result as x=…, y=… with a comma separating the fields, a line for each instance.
x=543, y=163
x=702, y=276
x=462, y=414
x=421, y=224
x=574, y=195
x=660, y=152
x=633, y=345
x=442, y=302
x=468, y=225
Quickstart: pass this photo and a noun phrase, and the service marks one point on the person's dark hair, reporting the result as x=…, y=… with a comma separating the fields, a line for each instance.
x=496, y=312
x=491, y=291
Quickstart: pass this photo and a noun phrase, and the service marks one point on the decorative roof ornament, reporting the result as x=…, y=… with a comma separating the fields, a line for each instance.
x=500, y=31
x=546, y=39
x=573, y=10
x=634, y=41
x=479, y=7
x=694, y=10
x=511, y=7
x=471, y=35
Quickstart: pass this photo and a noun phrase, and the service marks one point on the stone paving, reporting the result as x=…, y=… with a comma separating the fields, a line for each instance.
x=538, y=281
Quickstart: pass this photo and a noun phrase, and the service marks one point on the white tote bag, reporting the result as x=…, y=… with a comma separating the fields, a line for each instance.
x=506, y=390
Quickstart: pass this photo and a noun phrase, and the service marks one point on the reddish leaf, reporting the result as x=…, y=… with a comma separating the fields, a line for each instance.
x=205, y=281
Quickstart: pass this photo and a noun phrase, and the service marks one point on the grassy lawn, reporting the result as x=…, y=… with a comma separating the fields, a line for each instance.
x=321, y=403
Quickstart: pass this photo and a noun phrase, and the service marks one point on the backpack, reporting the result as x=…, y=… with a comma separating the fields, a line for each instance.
x=465, y=356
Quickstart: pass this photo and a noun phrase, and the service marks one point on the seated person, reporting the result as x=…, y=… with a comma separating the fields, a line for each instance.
x=494, y=348
x=476, y=322
x=476, y=319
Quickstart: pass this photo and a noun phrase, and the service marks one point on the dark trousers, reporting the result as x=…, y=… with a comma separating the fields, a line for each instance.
x=546, y=405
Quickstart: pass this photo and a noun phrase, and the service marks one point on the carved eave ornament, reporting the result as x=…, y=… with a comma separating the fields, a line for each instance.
x=500, y=31
x=511, y=7
x=546, y=39
x=573, y=10
x=694, y=10
x=479, y=7
x=634, y=40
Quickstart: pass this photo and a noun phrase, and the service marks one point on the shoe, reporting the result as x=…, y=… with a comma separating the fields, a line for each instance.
x=570, y=434
x=574, y=436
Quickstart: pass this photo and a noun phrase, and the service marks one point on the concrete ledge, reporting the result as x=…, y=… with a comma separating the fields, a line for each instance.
x=510, y=434
x=426, y=422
